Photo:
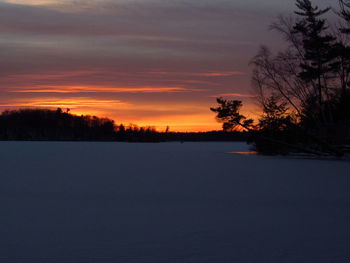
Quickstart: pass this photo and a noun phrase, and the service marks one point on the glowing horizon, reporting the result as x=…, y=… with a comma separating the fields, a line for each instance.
x=200, y=119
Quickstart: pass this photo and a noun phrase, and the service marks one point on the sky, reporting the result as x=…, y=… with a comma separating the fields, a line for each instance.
x=147, y=62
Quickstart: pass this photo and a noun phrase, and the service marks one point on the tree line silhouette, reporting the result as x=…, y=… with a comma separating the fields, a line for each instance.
x=42, y=124
x=303, y=90
x=59, y=125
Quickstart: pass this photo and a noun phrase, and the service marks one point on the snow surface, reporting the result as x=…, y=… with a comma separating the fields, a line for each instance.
x=169, y=202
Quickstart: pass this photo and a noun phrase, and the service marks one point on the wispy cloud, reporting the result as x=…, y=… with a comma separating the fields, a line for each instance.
x=199, y=74
x=31, y=2
x=220, y=74
x=50, y=75
x=86, y=89
x=72, y=103
x=238, y=95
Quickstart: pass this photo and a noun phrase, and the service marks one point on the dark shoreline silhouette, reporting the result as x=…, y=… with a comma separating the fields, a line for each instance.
x=59, y=125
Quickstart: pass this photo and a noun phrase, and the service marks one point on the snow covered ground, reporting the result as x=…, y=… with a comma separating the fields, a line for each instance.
x=169, y=202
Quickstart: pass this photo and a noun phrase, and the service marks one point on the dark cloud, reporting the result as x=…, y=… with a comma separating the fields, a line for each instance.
x=152, y=19
x=126, y=34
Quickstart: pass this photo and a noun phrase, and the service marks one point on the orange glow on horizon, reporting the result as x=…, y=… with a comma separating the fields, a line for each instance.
x=190, y=118
x=189, y=111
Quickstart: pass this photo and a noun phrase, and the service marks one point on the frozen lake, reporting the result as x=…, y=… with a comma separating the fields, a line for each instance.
x=169, y=202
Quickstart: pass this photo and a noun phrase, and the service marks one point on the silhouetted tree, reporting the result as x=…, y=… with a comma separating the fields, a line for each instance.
x=302, y=90
x=228, y=114
x=345, y=14
x=275, y=116
x=317, y=46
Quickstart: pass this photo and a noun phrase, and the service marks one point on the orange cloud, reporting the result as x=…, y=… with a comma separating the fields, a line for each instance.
x=71, y=103
x=86, y=89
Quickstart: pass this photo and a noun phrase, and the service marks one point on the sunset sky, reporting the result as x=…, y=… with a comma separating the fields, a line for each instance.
x=147, y=62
